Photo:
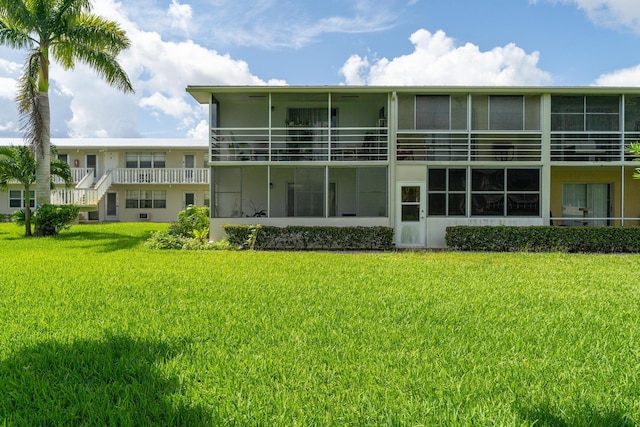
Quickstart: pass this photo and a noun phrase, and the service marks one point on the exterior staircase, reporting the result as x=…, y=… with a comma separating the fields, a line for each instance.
x=86, y=193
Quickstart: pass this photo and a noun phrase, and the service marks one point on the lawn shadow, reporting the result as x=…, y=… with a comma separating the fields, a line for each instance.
x=544, y=415
x=102, y=242
x=112, y=381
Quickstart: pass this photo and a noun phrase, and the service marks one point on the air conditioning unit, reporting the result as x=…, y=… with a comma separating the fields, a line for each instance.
x=145, y=216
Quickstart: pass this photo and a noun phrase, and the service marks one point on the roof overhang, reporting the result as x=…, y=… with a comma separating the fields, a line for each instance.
x=203, y=94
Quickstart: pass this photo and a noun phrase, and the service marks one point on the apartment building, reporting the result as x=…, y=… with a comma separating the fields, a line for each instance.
x=126, y=179
x=420, y=159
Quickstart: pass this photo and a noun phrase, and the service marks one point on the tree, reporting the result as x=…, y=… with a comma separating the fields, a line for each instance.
x=67, y=31
x=18, y=164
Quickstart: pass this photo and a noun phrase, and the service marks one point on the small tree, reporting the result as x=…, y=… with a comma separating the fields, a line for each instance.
x=18, y=164
x=634, y=150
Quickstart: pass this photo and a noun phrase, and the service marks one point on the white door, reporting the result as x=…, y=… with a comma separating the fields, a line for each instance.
x=411, y=215
x=110, y=160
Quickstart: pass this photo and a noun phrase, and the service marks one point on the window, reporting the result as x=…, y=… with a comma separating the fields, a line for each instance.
x=146, y=199
x=632, y=113
x=570, y=113
x=63, y=158
x=441, y=112
x=16, y=199
x=506, y=112
x=447, y=192
x=505, y=192
x=189, y=199
x=359, y=192
x=145, y=160
x=582, y=202
x=305, y=196
x=241, y=192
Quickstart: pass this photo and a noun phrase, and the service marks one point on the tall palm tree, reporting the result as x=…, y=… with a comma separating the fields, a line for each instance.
x=69, y=32
x=18, y=164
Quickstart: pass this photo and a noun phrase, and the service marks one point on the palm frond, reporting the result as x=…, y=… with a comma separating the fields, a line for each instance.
x=16, y=14
x=14, y=37
x=102, y=62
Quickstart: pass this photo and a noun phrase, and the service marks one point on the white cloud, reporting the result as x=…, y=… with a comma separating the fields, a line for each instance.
x=437, y=60
x=174, y=107
x=609, y=13
x=160, y=71
x=626, y=77
x=201, y=131
x=181, y=15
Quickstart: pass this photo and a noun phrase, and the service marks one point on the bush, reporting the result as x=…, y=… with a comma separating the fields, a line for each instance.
x=544, y=239
x=192, y=220
x=190, y=232
x=164, y=240
x=309, y=238
x=49, y=220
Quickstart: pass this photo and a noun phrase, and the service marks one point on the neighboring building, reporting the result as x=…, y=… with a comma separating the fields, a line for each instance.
x=126, y=179
x=419, y=159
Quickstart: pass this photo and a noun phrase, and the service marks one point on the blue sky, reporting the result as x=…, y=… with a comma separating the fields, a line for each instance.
x=176, y=43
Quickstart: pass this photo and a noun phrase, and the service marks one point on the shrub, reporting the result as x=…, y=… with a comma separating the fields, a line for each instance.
x=309, y=238
x=49, y=220
x=544, y=239
x=164, y=240
x=192, y=220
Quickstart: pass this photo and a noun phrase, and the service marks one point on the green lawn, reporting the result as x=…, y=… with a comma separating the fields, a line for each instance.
x=96, y=329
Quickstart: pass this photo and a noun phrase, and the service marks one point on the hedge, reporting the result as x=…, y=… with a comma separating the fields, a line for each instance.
x=544, y=239
x=309, y=238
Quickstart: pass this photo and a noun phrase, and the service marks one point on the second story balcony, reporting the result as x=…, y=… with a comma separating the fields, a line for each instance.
x=299, y=143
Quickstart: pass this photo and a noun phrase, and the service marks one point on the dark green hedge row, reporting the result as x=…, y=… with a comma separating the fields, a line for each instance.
x=311, y=238
x=544, y=239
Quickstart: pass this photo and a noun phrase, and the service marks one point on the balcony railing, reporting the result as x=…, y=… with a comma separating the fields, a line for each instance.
x=481, y=147
x=161, y=176
x=299, y=143
x=77, y=174
x=76, y=196
x=582, y=147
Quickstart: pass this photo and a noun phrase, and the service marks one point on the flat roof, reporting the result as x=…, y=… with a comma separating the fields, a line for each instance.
x=202, y=94
x=112, y=143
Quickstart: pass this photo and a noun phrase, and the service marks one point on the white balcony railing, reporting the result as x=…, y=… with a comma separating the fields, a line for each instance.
x=77, y=175
x=160, y=176
x=75, y=196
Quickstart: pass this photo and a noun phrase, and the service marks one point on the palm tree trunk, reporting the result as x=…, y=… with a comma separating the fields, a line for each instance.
x=27, y=221
x=43, y=155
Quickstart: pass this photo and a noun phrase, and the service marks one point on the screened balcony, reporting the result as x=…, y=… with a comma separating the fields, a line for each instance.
x=299, y=127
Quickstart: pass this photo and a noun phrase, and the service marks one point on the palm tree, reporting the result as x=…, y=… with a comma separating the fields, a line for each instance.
x=69, y=32
x=18, y=164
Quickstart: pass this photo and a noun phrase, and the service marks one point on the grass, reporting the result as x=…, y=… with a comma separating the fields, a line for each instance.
x=96, y=329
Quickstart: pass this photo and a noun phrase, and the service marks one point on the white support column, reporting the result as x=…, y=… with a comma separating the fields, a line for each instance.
x=622, y=214
x=392, y=129
x=545, y=181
